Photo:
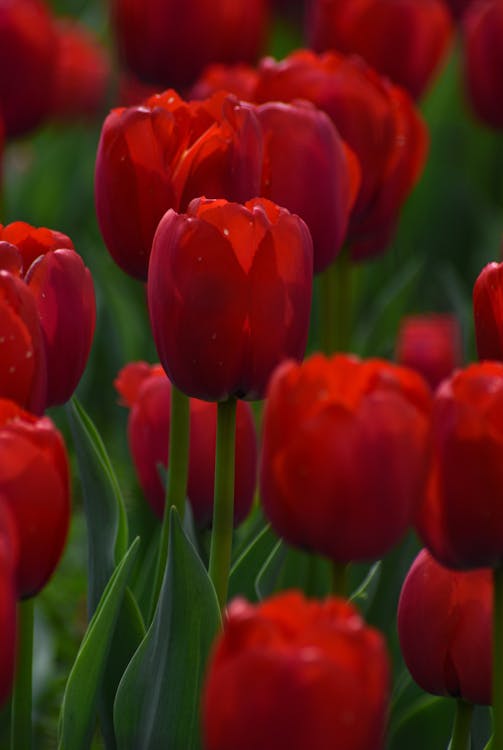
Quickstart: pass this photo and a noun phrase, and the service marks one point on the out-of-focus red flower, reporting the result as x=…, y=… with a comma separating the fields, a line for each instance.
x=344, y=455
x=229, y=295
x=34, y=484
x=482, y=28
x=309, y=170
x=458, y=7
x=8, y=599
x=82, y=73
x=488, y=311
x=377, y=120
x=430, y=344
x=163, y=154
x=445, y=629
x=461, y=518
x=63, y=291
x=240, y=80
x=405, y=40
x=147, y=390
x=27, y=44
x=290, y=674
x=169, y=43
x=132, y=91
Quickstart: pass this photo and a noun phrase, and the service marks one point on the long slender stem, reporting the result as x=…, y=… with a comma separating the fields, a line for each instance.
x=176, y=485
x=461, y=731
x=497, y=739
x=340, y=572
x=335, y=305
x=21, y=706
x=223, y=508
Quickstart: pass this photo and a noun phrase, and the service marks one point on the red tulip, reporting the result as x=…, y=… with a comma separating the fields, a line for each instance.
x=290, y=674
x=344, y=454
x=8, y=600
x=458, y=7
x=488, y=311
x=82, y=73
x=34, y=484
x=162, y=155
x=431, y=345
x=377, y=120
x=27, y=43
x=483, y=60
x=147, y=390
x=405, y=40
x=240, y=80
x=445, y=629
x=229, y=294
x=63, y=290
x=461, y=518
x=309, y=170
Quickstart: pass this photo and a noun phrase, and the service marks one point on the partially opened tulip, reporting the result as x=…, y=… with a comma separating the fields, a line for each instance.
x=290, y=674
x=431, y=345
x=488, y=311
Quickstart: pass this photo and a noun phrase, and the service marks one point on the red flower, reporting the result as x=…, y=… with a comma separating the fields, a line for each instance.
x=445, y=629
x=147, y=390
x=377, y=120
x=430, y=344
x=239, y=79
x=163, y=154
x=63, y=291
x=461, y=518
x=8, y=600
x=27, y=43
x=229, y=294
x=82, y=73
x=309, y=170
x=344, y=455
x=483, y=60
x=488, y=311
x=405, y=40
x=291, y=674
x=34, y=484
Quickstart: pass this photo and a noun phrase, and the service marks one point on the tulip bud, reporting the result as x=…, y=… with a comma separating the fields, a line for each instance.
x=488, y=311
x=482, y=28
x=431, y=345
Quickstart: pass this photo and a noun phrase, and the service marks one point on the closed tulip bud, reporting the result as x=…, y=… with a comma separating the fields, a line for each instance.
x=34, y=484
x=405, y=40
x=482, y=28
x=147, y=391
x=8, y=599
x=344, y=454
x=289, y=674
x=460, y=520
x=309, y=170
x=229, y=295
x=445, y=629
x=488, y=311
x=27, y=43
x=163, y=154
x=431, y=345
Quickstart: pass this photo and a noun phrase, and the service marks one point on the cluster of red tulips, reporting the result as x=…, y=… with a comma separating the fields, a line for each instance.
x=244, y=194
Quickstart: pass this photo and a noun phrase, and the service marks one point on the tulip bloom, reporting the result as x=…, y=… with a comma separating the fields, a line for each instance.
x=377, y=120
x=290, y=674
x=163, y=154
x=147, y=391
x=309, y=170
x=8, y=600
x=27, y=43
x=229, y=295
x=344, y=454
x=482, y=29
x=461, y=518
x=240, y=80
x=405, y=40
x=488, y=311
x=445, y=629
x=34, y=485
x=431, y=345
x=63, y=291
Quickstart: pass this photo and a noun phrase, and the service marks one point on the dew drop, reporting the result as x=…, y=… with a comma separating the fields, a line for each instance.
x=226, y=232
x=29, y=354
x=12, y=369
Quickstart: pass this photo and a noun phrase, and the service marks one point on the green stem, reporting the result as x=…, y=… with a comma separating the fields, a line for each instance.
x=21, y=706
x=176, y=485
x=340, y=575
x=460, y=739
x=497, y=739
x=223, y=508
x=335, y=305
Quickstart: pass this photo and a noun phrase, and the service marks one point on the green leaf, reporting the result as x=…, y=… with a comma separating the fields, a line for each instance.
x=288, y=568
x=427, y=724
x=157, y=703
x=363, y=595
x=107, y=531
x=246, y=568
x=80, y=700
